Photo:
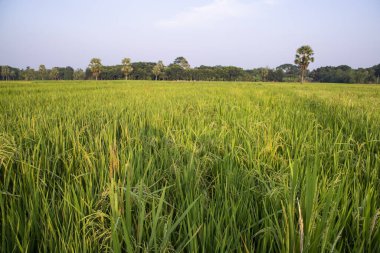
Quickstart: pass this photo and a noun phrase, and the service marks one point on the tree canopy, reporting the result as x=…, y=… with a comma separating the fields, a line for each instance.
x=158, y=69
x=5, y=72
x=304, y=57
x=180, y=70
x=182, y=62
x=127, y=67
x=95, y=67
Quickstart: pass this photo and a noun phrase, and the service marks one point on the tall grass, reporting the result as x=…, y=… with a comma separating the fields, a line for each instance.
x=192, y=167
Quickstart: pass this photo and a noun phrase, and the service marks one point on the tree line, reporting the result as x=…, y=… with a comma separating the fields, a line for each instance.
x=180, y=69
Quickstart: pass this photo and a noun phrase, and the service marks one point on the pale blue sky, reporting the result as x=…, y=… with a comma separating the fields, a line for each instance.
x=245, y=33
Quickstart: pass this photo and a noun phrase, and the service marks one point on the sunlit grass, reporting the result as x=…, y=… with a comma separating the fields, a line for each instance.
x=119, y=166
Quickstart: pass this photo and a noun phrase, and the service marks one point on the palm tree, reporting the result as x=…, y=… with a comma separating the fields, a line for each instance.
x=303, y=58
x=95, y=67
x=127, y=67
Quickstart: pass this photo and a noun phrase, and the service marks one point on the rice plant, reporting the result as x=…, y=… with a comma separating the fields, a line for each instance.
x=129, y=166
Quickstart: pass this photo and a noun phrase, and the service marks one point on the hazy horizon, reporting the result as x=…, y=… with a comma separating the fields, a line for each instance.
x=241, y=33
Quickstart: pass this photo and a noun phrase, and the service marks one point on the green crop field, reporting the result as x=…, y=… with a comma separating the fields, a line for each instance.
x=116, y=166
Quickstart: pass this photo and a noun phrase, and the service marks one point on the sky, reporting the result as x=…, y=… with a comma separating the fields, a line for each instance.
x=243, y=33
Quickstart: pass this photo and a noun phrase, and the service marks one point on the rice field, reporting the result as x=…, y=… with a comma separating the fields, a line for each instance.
x=143, y=166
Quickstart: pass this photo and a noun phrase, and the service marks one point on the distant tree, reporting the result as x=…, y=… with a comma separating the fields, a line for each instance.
x=233, y=73
x=180, y=70
x=175, y=72
x=182, y=62
x=127, y=67
x=95, y=67
x=344, y=67
x=113, y=72
x=54, y=73
x=376, y=73
x=23, y=74
x=5, y=72
x=68, y=73
x=361, y=76
x=290, y=72
x=288, y=68
x=184, y=65
x=142, y=71
x=12, y=75
x=264, y=72
x=158, y=69
x=340, y=74
x=42, y=71
x=275, y=75
x=29, y=74
x=78, y=74
x=304, y=56
x=205, y=73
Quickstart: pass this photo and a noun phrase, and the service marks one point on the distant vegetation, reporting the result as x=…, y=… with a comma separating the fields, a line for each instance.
x=180, y=69
x=304, y=57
